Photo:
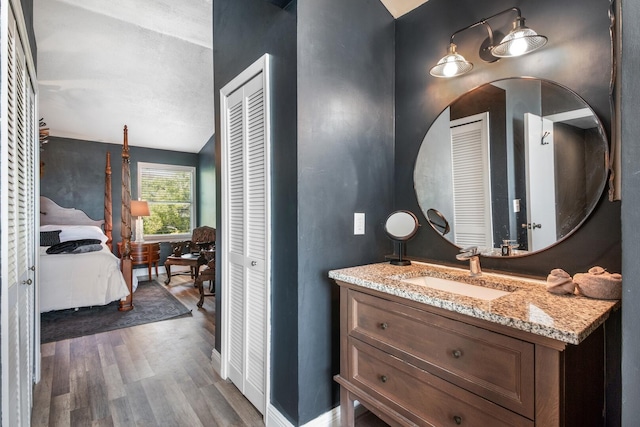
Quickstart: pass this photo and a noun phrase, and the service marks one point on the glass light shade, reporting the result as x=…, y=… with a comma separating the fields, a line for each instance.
x=519, y=41
x=453, y=64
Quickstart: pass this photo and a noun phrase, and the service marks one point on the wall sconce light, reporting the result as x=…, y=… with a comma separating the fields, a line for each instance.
x=139, y=208
x=520, y=41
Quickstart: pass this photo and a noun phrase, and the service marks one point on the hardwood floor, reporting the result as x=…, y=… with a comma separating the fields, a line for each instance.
x=158, y=374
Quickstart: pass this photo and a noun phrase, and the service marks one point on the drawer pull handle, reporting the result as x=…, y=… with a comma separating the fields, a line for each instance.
x=457, y=419
x=383, y=378
x=457, y=354
x=383, y=325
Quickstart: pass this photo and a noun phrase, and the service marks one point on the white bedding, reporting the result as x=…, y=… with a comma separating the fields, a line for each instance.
x=80, y=280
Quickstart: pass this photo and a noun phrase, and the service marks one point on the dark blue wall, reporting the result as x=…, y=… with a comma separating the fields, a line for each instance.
x=630, y=105
x=27, y=11
x=332, y=158
x=345, y=165
x=244, y=30
x=73, y=175
x=207, y=184
x=577, y=56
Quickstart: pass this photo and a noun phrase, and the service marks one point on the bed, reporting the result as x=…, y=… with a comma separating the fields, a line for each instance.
x=88, y=276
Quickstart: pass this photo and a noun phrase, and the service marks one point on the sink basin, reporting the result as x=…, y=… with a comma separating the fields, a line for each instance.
x=473, y=291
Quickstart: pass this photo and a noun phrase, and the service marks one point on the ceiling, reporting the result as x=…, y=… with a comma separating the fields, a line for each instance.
x=145, y=63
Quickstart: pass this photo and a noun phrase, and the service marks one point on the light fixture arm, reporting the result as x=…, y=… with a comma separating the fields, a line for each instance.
x=519, y=41
x=486, y=24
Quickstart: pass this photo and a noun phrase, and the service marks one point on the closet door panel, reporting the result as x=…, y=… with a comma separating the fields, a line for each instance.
x=246, y=233
x=17, y=219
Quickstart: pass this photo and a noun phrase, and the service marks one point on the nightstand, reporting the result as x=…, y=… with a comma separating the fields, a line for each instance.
x=145, y=253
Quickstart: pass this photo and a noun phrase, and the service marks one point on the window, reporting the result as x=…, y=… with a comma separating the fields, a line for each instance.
x=170, y=193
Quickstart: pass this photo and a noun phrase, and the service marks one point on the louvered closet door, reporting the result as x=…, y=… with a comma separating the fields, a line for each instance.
x=247, y=242
x=17, y=158
x=471, y=181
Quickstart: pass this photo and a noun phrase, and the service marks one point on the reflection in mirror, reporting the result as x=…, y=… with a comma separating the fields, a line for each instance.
x=519, y=160
x=400, y=227
x=438, y=221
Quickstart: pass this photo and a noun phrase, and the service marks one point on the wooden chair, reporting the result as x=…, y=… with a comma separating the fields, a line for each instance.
x=208, y=274
x=189, y=253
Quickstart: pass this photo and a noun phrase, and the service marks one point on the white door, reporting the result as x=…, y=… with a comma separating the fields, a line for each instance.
x=540, y=175
x=471, y=175
x=245, y=233
x=18, y=157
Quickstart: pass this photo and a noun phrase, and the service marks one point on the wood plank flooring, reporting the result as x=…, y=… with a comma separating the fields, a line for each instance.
x=158, y=374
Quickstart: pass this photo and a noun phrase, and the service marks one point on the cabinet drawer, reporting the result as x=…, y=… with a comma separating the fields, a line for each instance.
x=492, y=365
x=420, y=396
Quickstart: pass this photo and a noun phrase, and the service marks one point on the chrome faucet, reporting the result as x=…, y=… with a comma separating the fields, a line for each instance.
x=473, y=256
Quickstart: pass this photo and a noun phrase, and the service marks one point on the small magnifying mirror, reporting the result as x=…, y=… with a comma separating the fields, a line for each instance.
x=438, y=221
x=400, y=227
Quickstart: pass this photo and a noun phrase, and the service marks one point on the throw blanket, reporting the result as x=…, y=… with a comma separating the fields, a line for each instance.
x=75, y=247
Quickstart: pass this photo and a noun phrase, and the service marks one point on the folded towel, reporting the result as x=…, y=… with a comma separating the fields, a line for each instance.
x=598, y=283
x=559, y=282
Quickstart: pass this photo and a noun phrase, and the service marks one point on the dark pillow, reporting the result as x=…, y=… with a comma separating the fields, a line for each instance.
x=87, y=248
x=71, y=246
x=49, y=238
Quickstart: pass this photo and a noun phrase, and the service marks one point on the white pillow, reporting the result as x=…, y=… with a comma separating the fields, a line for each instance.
x=76, y=232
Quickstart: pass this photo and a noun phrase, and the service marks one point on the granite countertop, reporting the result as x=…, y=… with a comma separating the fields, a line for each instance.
x=527, y=307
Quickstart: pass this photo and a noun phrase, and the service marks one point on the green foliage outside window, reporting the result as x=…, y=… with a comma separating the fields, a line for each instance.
x=169, y=194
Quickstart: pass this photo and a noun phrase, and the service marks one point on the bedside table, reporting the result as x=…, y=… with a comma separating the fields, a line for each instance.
x=144, y=253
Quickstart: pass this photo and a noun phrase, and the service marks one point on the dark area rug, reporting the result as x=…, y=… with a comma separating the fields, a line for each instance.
x=152, y=303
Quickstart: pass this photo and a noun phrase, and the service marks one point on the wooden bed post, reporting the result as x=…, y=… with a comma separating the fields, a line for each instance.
x=125, y=256
x=108, y=216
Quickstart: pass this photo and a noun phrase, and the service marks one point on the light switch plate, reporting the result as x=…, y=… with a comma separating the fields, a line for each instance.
x=358, y=223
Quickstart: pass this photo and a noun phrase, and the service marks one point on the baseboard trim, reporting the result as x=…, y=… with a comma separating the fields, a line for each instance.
x=138, y=272
x=216, y=361
x=273, y=418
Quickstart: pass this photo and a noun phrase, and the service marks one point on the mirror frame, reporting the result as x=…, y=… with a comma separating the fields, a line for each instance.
x=590, y=208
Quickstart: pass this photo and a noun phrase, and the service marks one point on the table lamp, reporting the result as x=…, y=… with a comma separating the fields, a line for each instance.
x=139, y=208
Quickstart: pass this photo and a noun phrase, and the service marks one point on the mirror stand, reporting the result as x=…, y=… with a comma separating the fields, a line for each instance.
x=400, y=227
x=400, y=260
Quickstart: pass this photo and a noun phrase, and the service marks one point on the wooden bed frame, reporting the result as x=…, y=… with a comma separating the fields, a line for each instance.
x=52, y=213
x=125, y=230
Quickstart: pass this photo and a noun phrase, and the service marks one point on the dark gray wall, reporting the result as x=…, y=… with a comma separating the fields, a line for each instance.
x=244, y=30
x=207, y=184
x=73, y=175
x=27, y=11
x=578, y=32
x=331, y=158
x=574, y=28
x=345, y=165
x=630, y=101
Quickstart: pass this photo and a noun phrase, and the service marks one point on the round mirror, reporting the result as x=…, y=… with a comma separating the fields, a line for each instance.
x=518, y=160
x=400, y=227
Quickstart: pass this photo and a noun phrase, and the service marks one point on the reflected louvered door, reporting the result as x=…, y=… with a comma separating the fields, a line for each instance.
x=471, y=181
x=246, y=196
x=17, y=160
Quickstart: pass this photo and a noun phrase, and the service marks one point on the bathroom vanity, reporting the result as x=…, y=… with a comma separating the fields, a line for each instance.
x=428, y=345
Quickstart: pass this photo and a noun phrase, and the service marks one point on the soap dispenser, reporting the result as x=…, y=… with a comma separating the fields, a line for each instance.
x=507, y=246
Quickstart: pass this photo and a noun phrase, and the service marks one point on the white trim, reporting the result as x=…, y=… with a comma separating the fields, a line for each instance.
x=328, y=419
x=140, y=271
x=216, y=361
x=273, y=418
x=259, y=66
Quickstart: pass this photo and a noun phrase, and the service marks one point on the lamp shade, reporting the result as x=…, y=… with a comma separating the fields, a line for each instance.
x=519, y=41
x=139, y=208
x=451, y=65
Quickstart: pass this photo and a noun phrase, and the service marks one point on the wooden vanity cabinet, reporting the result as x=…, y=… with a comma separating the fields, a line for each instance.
x=413, y=364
